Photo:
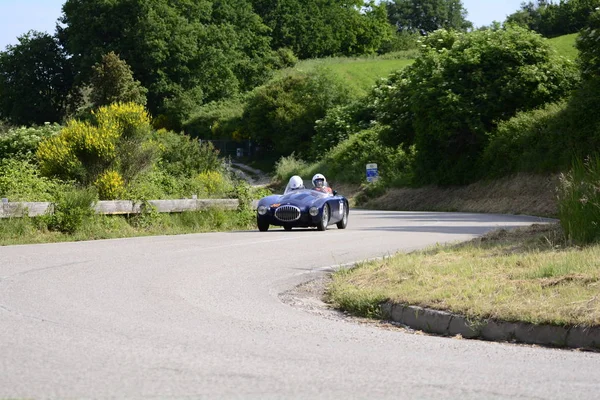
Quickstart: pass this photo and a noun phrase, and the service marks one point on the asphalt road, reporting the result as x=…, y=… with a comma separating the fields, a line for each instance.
x=201, y=316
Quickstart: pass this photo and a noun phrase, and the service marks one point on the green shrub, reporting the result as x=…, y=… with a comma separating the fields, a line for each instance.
x=72, y=208
x=118, y=139
x=347, y=161
x=281, y=115
x=460, y=87
x=215, y=120
x=579, y=201
x=22, y=142
x=531, y=141
x=181, y=155
x=285, y=167
x=20, y=180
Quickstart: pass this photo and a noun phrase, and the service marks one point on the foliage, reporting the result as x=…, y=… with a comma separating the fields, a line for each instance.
x=112, y=82
x=320, y=28
x=117, y=139
x=281, y=116
x=20, y=181
x=72, y=208
x=340, y=122
x=216, y=120
x=110, y=185
x=181, y=155
x=423, y=16
x=287, y=166
x=180, y=51
x=579, y=201
x=35, y=79
x=22, y=142
x=589, y=48
x=553, y=19
x=346, y=162
x=531, y=141
x=460, y=87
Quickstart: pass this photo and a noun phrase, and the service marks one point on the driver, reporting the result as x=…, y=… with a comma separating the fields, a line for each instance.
x=320, y=183
x=295, y=183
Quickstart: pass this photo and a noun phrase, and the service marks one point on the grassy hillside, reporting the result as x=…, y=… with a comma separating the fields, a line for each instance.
x=360, y=73
x=565, y=45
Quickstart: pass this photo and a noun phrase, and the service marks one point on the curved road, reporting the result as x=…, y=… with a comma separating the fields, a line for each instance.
x=200, y=316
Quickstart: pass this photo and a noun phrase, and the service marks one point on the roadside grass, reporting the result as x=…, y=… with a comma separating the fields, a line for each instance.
x=527, y=274
x=15, y=231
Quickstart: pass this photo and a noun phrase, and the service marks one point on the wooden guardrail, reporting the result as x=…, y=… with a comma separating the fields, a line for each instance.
x=116, y=207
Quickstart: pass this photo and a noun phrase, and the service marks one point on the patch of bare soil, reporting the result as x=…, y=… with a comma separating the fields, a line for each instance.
x=520, y=194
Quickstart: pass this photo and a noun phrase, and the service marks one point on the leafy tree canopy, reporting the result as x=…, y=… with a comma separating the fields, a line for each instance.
x=35, y=79
x=554, y=18
x=182, y=52
x=321, y=28
x=427, y=15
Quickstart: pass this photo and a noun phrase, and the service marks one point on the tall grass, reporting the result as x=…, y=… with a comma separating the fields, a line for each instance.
x=579, y=201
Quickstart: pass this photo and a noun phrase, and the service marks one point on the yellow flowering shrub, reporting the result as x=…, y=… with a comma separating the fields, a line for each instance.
x=110, y=185
x=214, y=182
x=83, y=150
x=127, y=118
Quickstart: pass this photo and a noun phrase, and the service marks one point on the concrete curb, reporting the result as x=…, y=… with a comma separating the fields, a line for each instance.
x=449, y=324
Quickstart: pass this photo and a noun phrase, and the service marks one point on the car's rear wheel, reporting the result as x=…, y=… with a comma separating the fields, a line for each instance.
x=344, y=222
x=287, y=227
x=263, y=226
x=324, y=221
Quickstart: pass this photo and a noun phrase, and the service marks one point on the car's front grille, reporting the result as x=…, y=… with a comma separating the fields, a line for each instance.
x=287, y=213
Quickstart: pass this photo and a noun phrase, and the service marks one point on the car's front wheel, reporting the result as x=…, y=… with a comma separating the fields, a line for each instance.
x=324, y=221
x=344, y=222
x=263, y=226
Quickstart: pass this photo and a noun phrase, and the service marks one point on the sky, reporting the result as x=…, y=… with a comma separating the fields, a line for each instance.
x=17, y=17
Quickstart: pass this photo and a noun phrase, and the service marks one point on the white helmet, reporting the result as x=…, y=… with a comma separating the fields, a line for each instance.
x=296, y=183
x=319, y=180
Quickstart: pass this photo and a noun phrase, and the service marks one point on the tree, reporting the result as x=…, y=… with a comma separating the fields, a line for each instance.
x=112, y=81
x=321, y=28
x=460, y=87
x=185, y=51
x=35, y=79
x=427, y=15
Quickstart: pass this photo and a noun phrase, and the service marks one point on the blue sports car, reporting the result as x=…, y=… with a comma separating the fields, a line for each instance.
x=302, y=208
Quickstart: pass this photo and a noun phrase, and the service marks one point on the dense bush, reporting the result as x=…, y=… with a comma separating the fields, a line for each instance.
x=531, y=141
x=118, y=139
x=579, y=201
x=588, y=44
x=340, y=122
x=20, y=181
x=281, y=116
x=216, y=120
x=181, y=155
x=72, y=208
x=22, y=142
x=460, y=87
x=347, y=161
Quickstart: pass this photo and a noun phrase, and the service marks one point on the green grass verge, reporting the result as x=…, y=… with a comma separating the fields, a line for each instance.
x=528, y=275
x=15, y=231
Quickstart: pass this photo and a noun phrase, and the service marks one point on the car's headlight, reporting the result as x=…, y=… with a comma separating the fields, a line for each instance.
x=262, y=210
x=314, y=211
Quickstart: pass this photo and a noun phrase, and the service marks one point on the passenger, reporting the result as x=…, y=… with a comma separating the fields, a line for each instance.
x=295, y=183
x=320, y=183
